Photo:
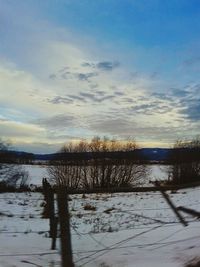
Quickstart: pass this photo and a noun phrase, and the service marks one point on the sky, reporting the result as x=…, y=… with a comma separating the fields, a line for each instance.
x=75, y=69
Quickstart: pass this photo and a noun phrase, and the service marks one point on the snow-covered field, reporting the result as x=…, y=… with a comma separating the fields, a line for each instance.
x=124, y=230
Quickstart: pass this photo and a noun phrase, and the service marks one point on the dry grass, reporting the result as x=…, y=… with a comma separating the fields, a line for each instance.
x=89, y=207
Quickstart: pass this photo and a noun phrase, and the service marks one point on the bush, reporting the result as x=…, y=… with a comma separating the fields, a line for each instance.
x=100, y=163
x=185, y=162
x=12, y=176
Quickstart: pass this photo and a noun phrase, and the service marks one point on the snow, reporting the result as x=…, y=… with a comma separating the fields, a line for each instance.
x=37, y=172
x=125, y=230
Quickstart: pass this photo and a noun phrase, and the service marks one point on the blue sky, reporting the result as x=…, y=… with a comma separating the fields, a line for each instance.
x=74, y=69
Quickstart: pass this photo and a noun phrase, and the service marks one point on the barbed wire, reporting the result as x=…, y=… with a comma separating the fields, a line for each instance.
x=24, y=232
x=114, y=246
x=29, y=254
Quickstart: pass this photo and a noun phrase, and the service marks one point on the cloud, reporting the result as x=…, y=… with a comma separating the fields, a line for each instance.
x=60, y=121
x=52, y=76
x=96, y=98
x=162, y=96
x=54, y=86
x=119, y=93
x=77, y=97
x=180, y=92
x=86, y=76
x=60, y=100
x=114, y=126
x=192, y=110
x=102, y=65
x=107, y=65
x=123, y=128
x=13, y=129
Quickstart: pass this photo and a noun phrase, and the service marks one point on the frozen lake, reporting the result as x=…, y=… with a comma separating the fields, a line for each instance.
x=37, y=172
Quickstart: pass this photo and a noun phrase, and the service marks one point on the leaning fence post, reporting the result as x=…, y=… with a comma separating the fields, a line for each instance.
x=65, y=235
x=171, y=204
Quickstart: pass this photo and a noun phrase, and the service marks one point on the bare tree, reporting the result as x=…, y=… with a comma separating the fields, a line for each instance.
x=185, y=162
x=100, y=163
x=66, y=171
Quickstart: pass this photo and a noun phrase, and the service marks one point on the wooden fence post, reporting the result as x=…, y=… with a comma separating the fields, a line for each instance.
x=65, y=235
x=171, y=204
x=54, y=232
x=49, y=211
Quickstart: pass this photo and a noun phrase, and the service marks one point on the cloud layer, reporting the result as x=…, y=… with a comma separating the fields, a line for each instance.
x=58, y=84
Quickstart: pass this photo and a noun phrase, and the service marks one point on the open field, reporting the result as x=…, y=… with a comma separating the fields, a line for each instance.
x=118, y=230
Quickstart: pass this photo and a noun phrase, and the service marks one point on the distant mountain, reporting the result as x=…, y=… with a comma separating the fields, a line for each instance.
x=155, y=154
x=147, y=154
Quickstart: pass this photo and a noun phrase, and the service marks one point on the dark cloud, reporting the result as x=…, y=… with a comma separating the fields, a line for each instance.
x=107, y=65
x=106, y=98
x=86, y=76
x=102, y=65
x=188, y=101
x=101, y=93
x=180, y=92
x=149, y=108
x=88, y=95
x=119, y=93
x=192, y=110
x=95, y=98
x=76, y=97
x=60, y=100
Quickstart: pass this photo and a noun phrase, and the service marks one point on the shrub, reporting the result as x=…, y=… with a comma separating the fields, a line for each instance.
x=100, y=163
x=185, y=162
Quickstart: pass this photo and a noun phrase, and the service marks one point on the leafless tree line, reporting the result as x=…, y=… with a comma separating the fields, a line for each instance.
x=100, y=171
